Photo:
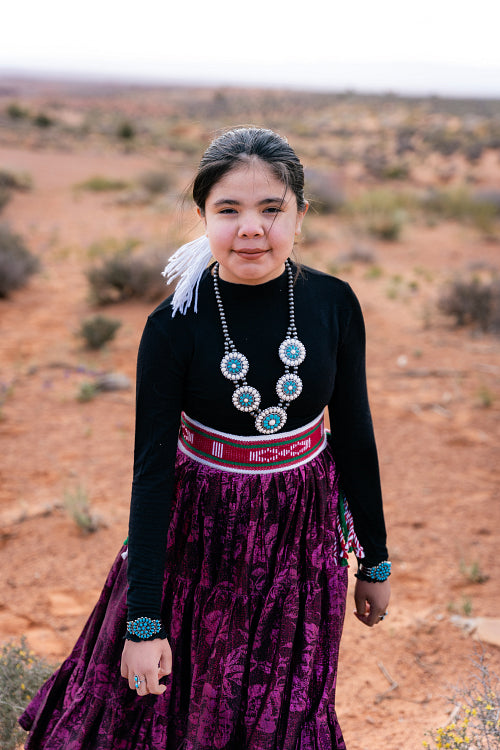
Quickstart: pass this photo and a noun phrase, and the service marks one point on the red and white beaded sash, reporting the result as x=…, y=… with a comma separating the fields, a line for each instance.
x=263, y=454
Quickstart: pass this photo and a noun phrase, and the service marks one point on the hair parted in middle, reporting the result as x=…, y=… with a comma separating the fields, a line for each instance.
x=236, y=147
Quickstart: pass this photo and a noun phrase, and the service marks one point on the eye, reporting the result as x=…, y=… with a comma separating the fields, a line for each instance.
x=273, y=210
x=227, y=211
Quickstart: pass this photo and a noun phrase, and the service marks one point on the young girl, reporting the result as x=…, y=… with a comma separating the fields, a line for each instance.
x=231, y=591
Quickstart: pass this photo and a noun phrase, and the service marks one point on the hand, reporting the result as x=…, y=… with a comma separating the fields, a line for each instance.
x=372, y=600
x=150, y=661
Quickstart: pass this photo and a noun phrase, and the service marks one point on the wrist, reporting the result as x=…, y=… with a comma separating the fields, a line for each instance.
x=144, y=629
x=375, y=573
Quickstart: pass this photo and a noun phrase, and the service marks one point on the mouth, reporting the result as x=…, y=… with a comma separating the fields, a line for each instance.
x=250, y=252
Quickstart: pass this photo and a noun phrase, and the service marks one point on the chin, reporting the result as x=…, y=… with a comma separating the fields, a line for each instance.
x=255, y=270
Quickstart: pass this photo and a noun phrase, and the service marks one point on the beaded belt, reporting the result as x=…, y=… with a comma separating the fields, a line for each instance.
x=263, y=454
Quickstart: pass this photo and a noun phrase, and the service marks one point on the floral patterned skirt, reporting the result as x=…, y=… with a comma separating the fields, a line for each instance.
x=254, y=601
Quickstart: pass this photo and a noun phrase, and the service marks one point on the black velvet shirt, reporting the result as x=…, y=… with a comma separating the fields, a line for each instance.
x=178, y=370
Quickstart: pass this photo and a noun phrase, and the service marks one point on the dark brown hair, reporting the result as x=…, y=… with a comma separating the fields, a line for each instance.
x=235, y=147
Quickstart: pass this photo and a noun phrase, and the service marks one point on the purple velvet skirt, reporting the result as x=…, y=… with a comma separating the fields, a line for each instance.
x=254, y=602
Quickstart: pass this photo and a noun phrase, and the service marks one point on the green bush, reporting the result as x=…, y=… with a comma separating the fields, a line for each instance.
x=459, y=205
x=380, y=213
x=98, y=330
x=17, y=263
x=15, y=180
x=100, y=184
x=442, y=141
x=41, y=120
x=21, y=675
x=125, y=131
x=16, y=112
x=86, y=392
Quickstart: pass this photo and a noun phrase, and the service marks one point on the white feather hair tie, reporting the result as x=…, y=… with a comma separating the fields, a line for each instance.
x=188, y=263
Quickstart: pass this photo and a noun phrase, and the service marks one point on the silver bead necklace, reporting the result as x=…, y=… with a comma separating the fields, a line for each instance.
x=234, y=366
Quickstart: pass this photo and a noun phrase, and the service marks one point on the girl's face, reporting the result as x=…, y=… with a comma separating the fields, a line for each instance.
x=251, y=222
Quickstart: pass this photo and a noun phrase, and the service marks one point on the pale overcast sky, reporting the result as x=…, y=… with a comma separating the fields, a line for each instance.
x=430, y=46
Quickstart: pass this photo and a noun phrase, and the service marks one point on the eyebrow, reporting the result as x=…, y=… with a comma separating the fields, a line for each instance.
x=232, y=202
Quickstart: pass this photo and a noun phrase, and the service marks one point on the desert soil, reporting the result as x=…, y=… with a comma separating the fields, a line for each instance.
x=437, y=435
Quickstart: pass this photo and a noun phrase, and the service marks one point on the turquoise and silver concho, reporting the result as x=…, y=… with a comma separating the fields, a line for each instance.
x=246, y=398
x=234, y=366
x=292, y=352
x=289, y=386
x=271, y=420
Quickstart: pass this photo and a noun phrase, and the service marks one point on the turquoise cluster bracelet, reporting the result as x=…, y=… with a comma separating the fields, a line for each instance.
x=380, y=572
x=144, y=628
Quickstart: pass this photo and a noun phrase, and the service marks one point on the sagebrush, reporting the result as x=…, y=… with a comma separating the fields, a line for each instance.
x=474, y=302
x=17, y=263
x=98, y=331
x=21, y=675
x=126, y=276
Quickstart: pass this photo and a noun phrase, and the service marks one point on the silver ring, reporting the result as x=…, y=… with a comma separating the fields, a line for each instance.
x=137, y=682
x=382, y=617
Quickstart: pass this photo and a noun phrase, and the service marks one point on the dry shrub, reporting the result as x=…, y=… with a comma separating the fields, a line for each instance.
x=324, y=190
x=98, y=331
x=125, y=276
x=17, y=263
x=475, y=720
x=473, y=302
x=21, y=676
x=77, y=505
x=156, y=182
x=459, y=204
x=4, y=197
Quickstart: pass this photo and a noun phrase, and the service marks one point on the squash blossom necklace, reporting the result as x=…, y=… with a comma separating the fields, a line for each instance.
x=234, y=366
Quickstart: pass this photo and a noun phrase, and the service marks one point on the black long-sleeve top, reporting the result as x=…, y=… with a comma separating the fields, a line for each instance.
x=179, y=370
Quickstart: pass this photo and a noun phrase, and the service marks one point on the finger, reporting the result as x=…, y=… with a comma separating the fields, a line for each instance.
x=123, y=669
x=364, y=618
x=165, y=666
x=138, y=683
x=361, y=602
x=153, y=686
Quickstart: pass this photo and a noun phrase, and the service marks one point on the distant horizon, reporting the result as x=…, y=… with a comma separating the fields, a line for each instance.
x=400, y=79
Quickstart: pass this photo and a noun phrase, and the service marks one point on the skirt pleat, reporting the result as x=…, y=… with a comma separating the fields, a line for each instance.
x=253, y=602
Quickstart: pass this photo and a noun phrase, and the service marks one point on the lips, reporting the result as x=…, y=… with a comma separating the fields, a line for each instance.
x=251, y=251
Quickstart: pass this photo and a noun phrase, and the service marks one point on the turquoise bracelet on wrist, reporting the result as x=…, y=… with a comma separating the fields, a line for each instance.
x=144, y=629
x=377, y=573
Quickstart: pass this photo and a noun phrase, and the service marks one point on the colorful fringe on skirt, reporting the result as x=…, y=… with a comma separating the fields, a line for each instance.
x=254, y=601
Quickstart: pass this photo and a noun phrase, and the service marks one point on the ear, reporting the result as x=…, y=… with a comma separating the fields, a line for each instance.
x=300, y=218
x=201, y=214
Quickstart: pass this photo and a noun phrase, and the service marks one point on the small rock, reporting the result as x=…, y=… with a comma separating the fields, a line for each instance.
x=484, y=629
x=112, y=381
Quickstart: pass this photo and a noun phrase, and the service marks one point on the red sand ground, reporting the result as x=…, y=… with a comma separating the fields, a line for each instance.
x=438, y=446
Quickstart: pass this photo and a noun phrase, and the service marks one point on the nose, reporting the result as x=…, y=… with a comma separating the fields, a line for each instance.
x=250, y=226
